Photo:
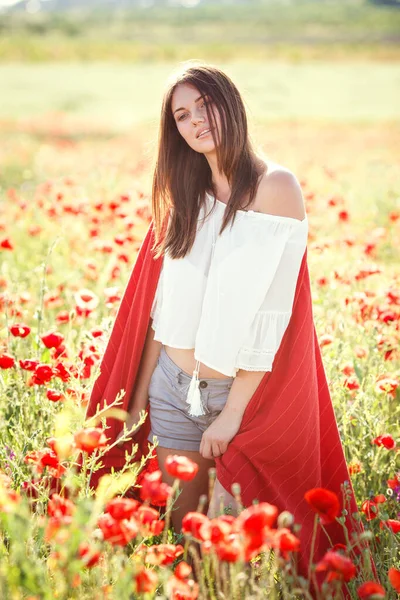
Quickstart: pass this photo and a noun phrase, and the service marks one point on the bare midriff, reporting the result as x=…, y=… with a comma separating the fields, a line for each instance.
x=186, y=361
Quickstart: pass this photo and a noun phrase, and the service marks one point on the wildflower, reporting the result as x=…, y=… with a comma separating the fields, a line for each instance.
x=6, y=361
x=370, y=509
x=154, y=490
x=181, y=467
x=52, y=339
x=42, y=374
x=163, y=554
x=45, y=458
x=60, y=507
x=337, y=566
x=256, y=517
x=182, y=590
x=54, y=395
x=392, y=524
x=354, y=466
x=148, y=520
x=385, y=440
x=90, y=439
x=146, y=581
x=394, y=578
x=121, y=508
x=20, y=330
x=63, y=446
x=284, y=540
x=28, y=364
x=192, y=522
x=90, y=556
x=370, y=590
x=324, y=502
x=118, y=533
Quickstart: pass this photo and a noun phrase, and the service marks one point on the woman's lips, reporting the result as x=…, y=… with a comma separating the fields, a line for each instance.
x=203, y=134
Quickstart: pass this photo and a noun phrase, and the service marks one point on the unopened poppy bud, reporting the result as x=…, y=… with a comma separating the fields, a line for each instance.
x=236, y=489
x=202, y=502
x=212, y=473
x=285, y=519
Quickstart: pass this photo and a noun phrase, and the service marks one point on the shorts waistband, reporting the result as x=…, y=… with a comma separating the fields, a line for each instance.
x=182, y=377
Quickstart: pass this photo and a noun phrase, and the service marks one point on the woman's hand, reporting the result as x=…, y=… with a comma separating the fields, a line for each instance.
x=217, y=436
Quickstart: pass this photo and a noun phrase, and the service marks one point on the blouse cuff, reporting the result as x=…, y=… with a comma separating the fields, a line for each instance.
x=263, y=341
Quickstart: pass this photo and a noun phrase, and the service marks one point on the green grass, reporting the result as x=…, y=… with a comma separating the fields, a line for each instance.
x=253, y=30
x=118, y=95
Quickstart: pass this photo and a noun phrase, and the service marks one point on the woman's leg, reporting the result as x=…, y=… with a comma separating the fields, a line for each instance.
x=228, y=501
x=191, y=490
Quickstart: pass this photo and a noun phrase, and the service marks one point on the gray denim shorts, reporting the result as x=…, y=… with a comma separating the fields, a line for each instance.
x=169, y=417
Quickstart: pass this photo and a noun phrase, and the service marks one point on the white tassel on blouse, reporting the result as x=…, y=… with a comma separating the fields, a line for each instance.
x=194, y=397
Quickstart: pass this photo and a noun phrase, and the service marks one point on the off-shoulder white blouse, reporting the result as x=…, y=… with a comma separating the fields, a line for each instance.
x=231, y=297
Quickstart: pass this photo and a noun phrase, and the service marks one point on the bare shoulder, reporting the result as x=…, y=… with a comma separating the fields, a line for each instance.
x=279, y=193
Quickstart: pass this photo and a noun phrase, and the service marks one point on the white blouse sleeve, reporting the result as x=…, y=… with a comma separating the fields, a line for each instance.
x=266, y=331
x=250, y=292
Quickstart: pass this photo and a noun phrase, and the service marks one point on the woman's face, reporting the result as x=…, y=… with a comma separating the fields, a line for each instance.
x=190, y=115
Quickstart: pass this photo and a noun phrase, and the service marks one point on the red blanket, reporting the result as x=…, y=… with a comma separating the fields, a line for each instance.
x=288, y=441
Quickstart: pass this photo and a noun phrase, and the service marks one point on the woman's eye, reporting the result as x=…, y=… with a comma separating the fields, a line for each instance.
x=184, y=115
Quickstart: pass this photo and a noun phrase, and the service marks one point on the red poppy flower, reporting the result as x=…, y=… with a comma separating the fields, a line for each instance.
x=163, y=554
x=122, y=508
x=393, y=483
x=154, y=490
x=28, y=364
x=90, y=557
x=181, y=467
x=20, y=330
x=229, y=550
x=182, y=590
x=146, y=581
x=45, y=458
x=370, y=509
x=183, y=570
x=60, y=507
x=42, y=374
x=118, y=533
x=148, y=520
x=256, y=517
x=394, y=578
x=216, y=530
x=324, y=502
x=6, y=244
x=370, y=590
x=90, y=439
x=380, y=499
x=6, y=361
x=385, y=440
x=54, y=395
x=285, y=541
x=393, y=524
x=336, y=566
x=52, y=339
x=192, y=522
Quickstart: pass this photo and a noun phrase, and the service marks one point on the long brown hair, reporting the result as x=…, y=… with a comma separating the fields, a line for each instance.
x=182, y=176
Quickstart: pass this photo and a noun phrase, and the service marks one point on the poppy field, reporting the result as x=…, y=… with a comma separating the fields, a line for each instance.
x=74, y=208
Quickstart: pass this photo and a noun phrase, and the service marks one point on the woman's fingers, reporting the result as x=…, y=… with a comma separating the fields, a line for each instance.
x=207, y=450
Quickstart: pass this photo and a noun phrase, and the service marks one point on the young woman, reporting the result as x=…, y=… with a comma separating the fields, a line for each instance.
x=215, y=334
x=204, y=127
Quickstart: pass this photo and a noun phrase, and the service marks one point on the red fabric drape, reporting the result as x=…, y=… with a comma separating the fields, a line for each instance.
x=288, y=441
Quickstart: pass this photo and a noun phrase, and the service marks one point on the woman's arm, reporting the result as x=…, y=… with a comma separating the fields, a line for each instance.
x=148, y=363
x=217, y=436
